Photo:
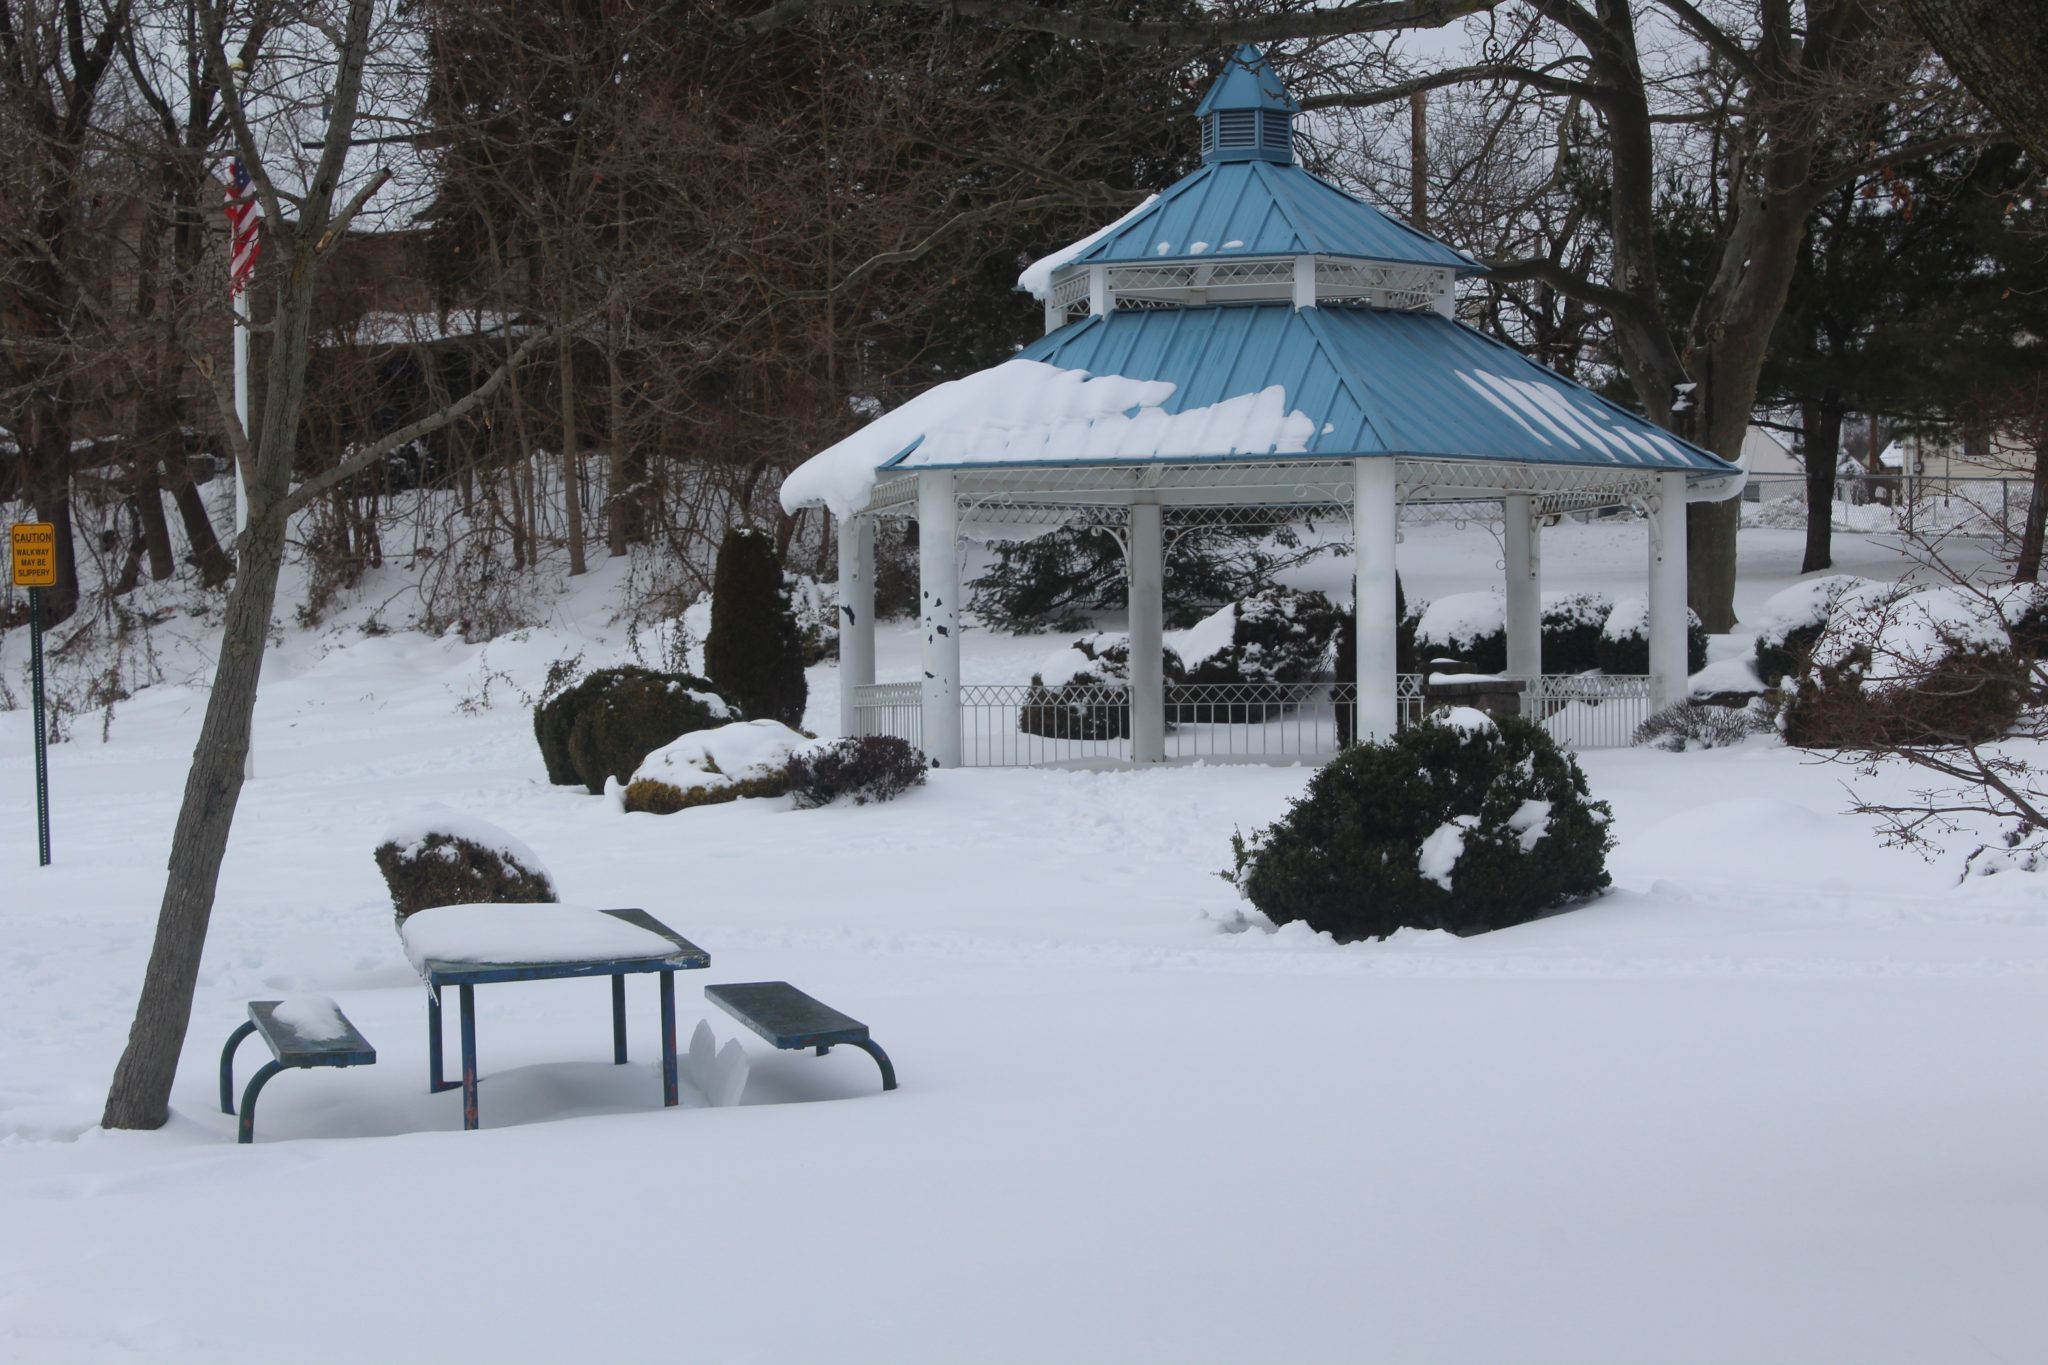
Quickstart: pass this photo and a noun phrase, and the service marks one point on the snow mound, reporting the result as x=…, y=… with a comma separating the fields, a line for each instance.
x=1462, y=618
x=1803, y=605
x=742, y=751
x=1036, y=280
x=313, y=1017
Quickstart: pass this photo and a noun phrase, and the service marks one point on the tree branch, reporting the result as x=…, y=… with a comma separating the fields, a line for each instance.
x=1361, y=16
x=1533, y=77
x=1614, y=302
x=1716, y=38
x=426, y=426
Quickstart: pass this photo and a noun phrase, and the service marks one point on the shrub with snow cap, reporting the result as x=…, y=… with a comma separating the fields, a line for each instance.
x=1906, y=667
x=754, y=652
x=603, y=726
x=1790, y=621
x=1572, y=622
x=1624, y=645
x=1468, y=626
x=711, y=767
x=441, y=857
x=1463, y=822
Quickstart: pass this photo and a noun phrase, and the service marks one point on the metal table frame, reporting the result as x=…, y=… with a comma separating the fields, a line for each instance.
x=467, y=976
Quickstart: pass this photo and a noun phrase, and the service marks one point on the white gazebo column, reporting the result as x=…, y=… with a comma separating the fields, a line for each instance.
x=1145, y=565
x=856, y=617
x=938, y=576
x=1525, y=588
x=1375, y=515
x=1668, y=677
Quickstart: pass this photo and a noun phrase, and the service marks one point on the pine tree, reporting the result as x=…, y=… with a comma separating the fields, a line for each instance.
x=754, y=655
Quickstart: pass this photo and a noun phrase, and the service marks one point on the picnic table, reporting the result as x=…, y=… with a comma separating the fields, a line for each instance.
x=467, y=946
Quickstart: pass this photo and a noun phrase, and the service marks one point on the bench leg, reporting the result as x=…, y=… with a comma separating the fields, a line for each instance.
x=469, y=1119
x=247, y=1130
x=874, y=1050
x=669, y=1097
x=618, y=1018
x=227, y=1066
x=435, y=1085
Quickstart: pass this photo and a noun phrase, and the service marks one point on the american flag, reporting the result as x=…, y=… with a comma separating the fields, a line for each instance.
x=245, y=213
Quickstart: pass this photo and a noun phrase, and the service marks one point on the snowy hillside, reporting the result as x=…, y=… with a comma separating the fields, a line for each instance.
x=1777, y=1096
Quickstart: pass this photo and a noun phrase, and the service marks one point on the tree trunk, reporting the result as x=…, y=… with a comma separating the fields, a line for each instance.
x=1823, y=424
x=572, y=493
x=140, y=1094
x=155, y=531
x=2028, y=570
x=215, y=568
x=1998, y=49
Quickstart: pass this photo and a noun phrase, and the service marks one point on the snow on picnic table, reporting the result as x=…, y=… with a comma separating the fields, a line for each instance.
x=510, y=933
x=1775, y=1097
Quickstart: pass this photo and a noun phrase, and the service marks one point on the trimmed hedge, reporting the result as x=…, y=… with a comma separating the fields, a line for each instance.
x=1572, y=623
x=604, y=725
x=867, y=768
x=446, y=869
x=1624, y=644
x=1456, y=823
x=666, y=798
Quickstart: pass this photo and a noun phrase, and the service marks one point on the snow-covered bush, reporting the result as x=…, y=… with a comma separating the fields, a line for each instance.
x=1083, y=691
x=440, y=857
x=1461, y=822
x=1900, y=667
x=604, y=725
x=1690, y=726
x=1276, y=636
x=1572, y=622
x=866, y=768
x=753, y=653
x=815, y=606
x=1471, y=627
x=1790, y=621
x=711, y=767
x=1624, y=644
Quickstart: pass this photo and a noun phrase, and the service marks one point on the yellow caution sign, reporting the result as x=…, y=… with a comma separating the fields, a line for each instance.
x=35, y=554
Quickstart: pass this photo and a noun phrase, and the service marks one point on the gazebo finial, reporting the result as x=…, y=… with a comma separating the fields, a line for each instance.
x=1248, y=114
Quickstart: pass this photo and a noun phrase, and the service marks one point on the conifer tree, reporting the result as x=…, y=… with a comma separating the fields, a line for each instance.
x=754, y=655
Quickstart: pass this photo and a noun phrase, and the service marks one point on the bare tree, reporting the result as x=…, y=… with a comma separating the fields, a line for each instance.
x=324, y=54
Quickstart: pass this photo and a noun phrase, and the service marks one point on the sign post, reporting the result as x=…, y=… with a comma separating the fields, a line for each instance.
x=34, y=547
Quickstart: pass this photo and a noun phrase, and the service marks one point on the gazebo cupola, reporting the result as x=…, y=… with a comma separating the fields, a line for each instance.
x=1248, y=114
x=1249, y=225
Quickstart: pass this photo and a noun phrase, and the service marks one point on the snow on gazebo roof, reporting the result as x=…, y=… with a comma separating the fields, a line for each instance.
x=1250, y=383
x=1190, y=356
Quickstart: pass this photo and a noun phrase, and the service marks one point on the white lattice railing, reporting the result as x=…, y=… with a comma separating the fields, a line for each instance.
x=891, y=709
x=1009, y=725
x=1589, y=710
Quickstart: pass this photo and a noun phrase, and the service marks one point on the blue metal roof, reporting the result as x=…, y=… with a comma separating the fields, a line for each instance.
x=1229, y=209
x=1367, y=382
x=1248, y=82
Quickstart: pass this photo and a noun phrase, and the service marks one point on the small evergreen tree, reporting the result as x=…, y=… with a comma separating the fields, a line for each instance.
x=754, y=654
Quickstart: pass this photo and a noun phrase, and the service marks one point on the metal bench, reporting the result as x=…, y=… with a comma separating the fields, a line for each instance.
x=288, y=1049
x=791, y=1020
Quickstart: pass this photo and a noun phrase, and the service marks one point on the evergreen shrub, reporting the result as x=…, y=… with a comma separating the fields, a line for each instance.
x=1571, y=629
x=753, y=652
x=1624, y=643
x=1791, y=621
x=1458, y=823
x=604, y=725
x=1345, y=691
x=447, y=869
x=1470, y=627
x=866, y=768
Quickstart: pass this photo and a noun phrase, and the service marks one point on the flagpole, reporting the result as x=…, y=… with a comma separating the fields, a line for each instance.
x=241, y=302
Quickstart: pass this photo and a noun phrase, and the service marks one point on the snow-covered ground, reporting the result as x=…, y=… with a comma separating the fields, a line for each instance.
x=1782, y=1095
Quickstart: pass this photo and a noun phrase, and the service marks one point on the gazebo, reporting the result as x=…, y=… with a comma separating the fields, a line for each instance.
x=1249, y=344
